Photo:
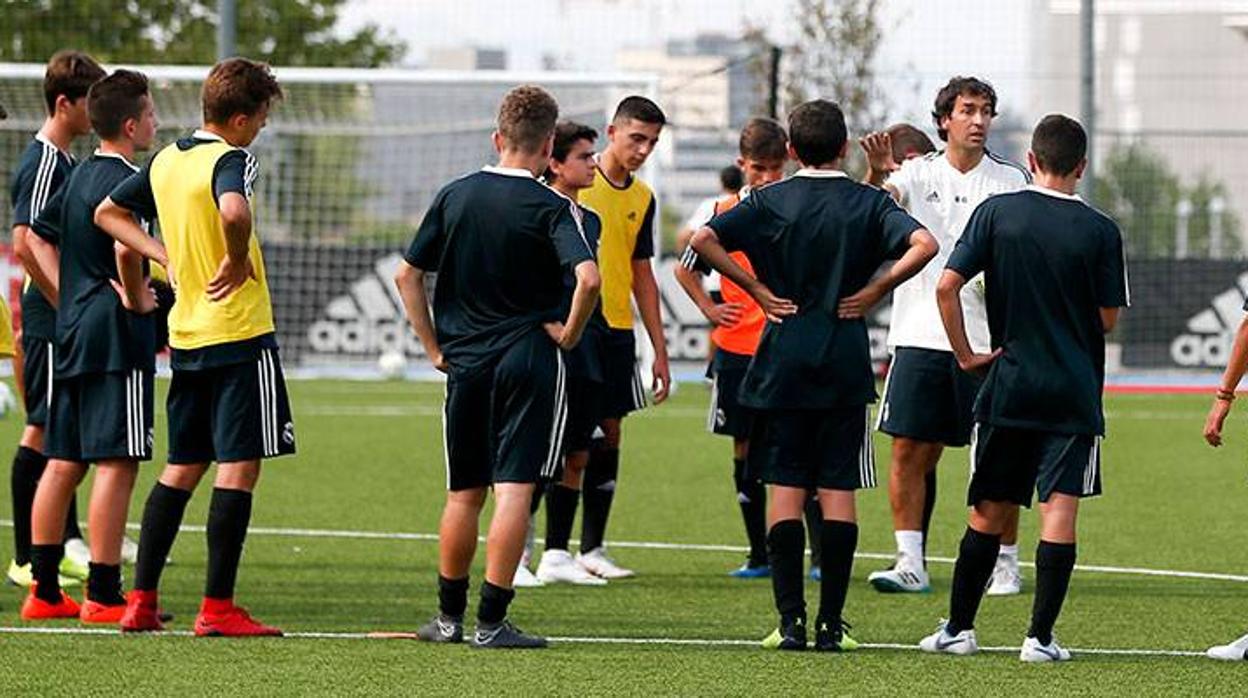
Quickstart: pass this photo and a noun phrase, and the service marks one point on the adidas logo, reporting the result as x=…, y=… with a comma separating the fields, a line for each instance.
x=632, y=215
x=367, y=320
x=932, y=198
x=1210, y=333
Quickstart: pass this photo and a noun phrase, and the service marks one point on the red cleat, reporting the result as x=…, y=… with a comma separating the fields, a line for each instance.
x=96, y=612
x=142, y=614
x=35, y=608
x=221, y=618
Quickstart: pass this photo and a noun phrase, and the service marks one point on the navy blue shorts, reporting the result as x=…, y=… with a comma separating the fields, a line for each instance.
x=101, y=416
x=36, y=379
x=728, y=416
x=1008, y=463
x=624, y=391
x=928, y=398
x=828, y=449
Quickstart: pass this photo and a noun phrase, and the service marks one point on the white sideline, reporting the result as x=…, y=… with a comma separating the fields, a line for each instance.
x=1122, y=652
x=692, y=547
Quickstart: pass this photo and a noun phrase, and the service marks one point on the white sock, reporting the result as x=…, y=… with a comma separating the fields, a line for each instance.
x=910, y=544
x=1010, y=551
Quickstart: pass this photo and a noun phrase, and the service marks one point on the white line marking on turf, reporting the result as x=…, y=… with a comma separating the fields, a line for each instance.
x=667, y=641
x=688, y=547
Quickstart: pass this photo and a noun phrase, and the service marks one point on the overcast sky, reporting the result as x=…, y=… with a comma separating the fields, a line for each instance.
x=926, y=41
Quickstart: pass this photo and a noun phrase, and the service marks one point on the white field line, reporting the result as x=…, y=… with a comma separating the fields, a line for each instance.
x=668, y=412
x=668, y=641
x=690, y=547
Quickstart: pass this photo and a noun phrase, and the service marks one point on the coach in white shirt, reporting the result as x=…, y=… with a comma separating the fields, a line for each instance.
x=927, y=399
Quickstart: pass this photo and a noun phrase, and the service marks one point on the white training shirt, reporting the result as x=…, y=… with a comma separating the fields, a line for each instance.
x=941, y=198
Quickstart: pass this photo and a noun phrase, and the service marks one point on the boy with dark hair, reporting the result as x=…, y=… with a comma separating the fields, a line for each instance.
x=810, y=382
x=908, y=142
x=500, y=243
x=628, y=210
x=44, y=167
x=102, y=382
x=571, y=171
x=227, y=401
x=1056, y=279
x=737, y=323
x=927, y=401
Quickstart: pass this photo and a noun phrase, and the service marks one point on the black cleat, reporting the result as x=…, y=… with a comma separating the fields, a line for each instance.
x=442, y=629
x=504, y=635
x=833, y=637
x=789, y=636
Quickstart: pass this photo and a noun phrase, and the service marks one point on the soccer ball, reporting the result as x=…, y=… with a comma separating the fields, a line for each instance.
x=8, y=401
x=392, y=364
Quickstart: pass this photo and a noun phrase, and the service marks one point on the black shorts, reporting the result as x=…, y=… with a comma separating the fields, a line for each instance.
x=36, y=379
x=101, y=416
x=504, y=422
x=237, y=412
x=623, y=392
x=1008, y=463
x=727, y=415
x=828, y=449
x=928, y=398
x=584, y=411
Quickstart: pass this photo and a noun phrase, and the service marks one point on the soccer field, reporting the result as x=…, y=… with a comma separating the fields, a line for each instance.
x=341, y=546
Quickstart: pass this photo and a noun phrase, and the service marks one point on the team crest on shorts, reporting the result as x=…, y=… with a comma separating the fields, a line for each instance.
x=288, y=434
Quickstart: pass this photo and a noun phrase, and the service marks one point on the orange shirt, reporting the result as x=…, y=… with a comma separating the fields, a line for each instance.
x=743, y=337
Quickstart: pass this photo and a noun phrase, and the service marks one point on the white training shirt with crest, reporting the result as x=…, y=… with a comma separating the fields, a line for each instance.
x=942, y=198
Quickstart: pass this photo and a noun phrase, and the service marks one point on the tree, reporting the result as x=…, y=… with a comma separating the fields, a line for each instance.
x=1136, y=186
x=280, y=32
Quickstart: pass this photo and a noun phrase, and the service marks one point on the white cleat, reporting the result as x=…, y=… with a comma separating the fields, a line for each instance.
x=129, y=550
x=1237, y=651
x=598, y=563
x=941, y=642
x=905, y=577
x=558, y=566
x=1007, y=579
x=1033, y=651
x=76, y=551
x=523, y=578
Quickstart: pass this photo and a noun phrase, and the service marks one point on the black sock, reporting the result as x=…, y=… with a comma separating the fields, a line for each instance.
x=840, y=540
x=598, y=492
x=162, y=516
x=929, y=505
x=104, y=584
x=814, y=524
x=494, y=602
x=752, y=498
x=452, y=597
x=784, y=552
x=976, y=558
x=1054, y=563
x=28, y=467
x=229, y=514
x=560, y=513
x=72, y=529
x=45, y=562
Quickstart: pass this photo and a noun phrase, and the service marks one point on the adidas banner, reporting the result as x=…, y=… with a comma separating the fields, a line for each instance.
x=1183, y=313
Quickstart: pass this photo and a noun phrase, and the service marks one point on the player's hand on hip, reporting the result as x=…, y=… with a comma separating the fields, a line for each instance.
x=859, y=304
x=230, y=277
x=555, y=330
x=775, y=308
x=662, y=384
x=724, y=314
x=978, y=364
x=878, y=147
x=146, y=303
x=1215, y=420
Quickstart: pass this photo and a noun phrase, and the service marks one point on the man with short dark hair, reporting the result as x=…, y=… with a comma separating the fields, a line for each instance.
x=500, y=243
x=908, y=142
x=102, y=385
x=1056, y=279
x=927, y=401
x=810, y=383
x=737, y=325
x=629, y=213
x=43, y=169
x=227, y=401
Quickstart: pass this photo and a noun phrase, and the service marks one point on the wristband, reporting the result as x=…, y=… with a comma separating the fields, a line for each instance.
x=1225, y=395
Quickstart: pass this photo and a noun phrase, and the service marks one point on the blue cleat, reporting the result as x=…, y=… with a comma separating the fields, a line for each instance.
x=816, y=574
x=746, y=571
